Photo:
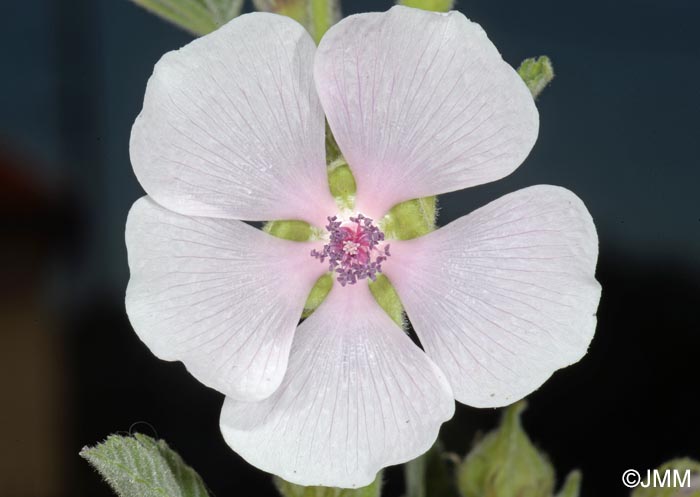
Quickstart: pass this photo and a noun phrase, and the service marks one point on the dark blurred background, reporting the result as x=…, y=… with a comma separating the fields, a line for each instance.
x=619, y=126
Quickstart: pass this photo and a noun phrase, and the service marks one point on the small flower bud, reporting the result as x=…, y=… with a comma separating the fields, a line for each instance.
x=537, y=73
x=506, y=464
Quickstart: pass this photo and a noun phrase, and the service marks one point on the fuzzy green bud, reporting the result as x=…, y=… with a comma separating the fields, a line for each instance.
x=505, y=463
x=537, y=72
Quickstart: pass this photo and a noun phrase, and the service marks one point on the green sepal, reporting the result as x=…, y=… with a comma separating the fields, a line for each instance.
x=407, y=220
x=140, y=466
x=382, y=290
x=287, y=489
x=572, y=485
x=296, y=231
x=404, y=221
x=431, y=475
x=537, y=72
x=342, y=183
x=332, y=149
x=506, y=464
x=300, y=231
x=199, y=17
x=410, y=219
x=434, y=5
x=317, y=16
x=318, y=294
x=672, y=489
x=388, y=299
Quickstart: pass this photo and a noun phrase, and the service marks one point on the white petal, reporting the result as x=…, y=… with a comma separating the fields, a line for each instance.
x=220, y=296
x=358, y=396
x=505, y=296
x=232, y=127
x=421, y=103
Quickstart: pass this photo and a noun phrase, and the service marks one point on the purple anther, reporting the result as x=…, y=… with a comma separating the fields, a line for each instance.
x=352, y=250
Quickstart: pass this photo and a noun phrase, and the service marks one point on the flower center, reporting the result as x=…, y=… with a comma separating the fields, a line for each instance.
x=353, y=250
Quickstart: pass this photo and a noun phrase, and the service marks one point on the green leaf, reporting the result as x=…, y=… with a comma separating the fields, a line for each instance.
x=506, y=464
x=315, y=15
x=224, y=10
x=572, y=485
x=199, y=17
x=287, y=489
x=537, y=72
x=140, y=466
x=434, y=5
x=430, y=475
x=681, y=487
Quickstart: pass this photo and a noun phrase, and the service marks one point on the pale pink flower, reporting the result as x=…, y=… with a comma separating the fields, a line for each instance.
x=232, y=128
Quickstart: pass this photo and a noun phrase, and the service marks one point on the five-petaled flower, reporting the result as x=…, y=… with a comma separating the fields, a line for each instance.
x=232, y=129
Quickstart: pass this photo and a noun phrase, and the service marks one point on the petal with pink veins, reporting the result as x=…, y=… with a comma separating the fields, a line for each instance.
x=505, y=296
x=358, y=396
x=219, y=295
x=231, y=126
x=421, y=103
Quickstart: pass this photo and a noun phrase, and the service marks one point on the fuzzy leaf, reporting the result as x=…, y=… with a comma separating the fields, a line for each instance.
x=199, y=17
x=140, y=466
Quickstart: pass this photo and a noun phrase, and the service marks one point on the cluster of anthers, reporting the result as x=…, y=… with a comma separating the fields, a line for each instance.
x=353, y=250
